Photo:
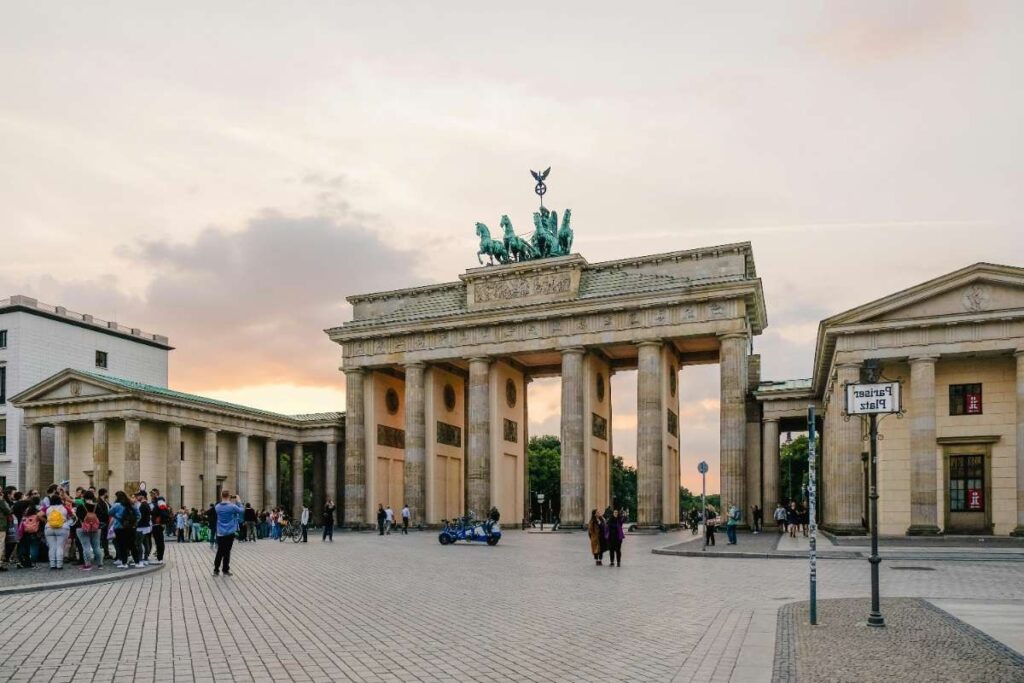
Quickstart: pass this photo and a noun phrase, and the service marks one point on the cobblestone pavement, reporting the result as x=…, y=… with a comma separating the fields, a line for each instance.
x=404, y=608
x=919, y=642
x=16, y=580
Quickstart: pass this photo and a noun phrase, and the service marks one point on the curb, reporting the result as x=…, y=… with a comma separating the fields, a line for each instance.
x=840, y=555
x=85, y=581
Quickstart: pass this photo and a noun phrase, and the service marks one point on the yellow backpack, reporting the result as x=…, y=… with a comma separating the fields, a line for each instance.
x=55, y=517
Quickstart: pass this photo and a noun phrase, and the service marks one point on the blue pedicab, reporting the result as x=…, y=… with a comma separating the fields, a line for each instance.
x=471, y=530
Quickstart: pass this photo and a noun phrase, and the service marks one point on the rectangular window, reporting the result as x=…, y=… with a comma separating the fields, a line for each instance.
x=101, y=359
x=965, y=399
x=182, y=499
x=3, y=384
x=182, y=451
x=216, y=454
x=3, y=443
x=3, y=339
x=967, y=483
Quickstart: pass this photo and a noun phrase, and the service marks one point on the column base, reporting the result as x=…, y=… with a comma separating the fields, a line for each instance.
x=844, y=529
x=924, y=530
x=1018, y=532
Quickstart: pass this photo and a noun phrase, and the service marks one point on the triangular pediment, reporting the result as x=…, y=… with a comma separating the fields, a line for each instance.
x=66, y=384
x=977, y=290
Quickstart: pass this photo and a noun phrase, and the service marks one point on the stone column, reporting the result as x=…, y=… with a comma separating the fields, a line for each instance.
x=242, y=468
x=100, y=456
x=319, y=486
x=173, y=466
x=770, y=440
x=61, y=462
x=733, y=370
x=415, y=444
x=527, y=502
x=33, y=458
x=270, y=474
x=209, y=467
x=331, y=473
x=355, y=450
x=1019, y=529
x=924, y=512
x=478, y=442
x=132, y=455
x=846, y=484
x=298, y=483
x=573, y=463
x=649, y=432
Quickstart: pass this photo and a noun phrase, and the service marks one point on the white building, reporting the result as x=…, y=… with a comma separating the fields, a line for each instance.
x=38, y=340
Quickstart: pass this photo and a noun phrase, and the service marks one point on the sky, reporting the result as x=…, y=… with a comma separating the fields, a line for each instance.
x=226, y=174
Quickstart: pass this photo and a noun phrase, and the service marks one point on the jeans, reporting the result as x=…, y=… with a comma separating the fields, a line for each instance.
x=25, y=546
x=730, y=531
x=91, y=553
x=55, y=540
x=224, y=544
x=305, y=533
x=181, y=534
x=329, y=531
x=195, y=531
x=158, y=541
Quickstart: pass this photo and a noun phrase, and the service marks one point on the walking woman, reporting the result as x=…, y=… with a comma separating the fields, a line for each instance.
x=614, y=534
x=710, y=519
x=595, y=529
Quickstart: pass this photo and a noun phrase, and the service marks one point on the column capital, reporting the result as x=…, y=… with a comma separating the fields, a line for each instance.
x=649, y=342
x=914, y=360
x=354, y=371
x=769, y=419
x=479, y=359
x=734, y=335
x=415, y=364
x=850, y=364
x=1019, y=353
x=574, y=350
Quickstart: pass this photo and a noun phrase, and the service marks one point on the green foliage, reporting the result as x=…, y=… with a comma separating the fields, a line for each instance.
x=624, y=486
x=544, y=455
x=793, y=470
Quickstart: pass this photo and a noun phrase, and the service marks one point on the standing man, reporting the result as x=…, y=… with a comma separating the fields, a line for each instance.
x=250, y=523
x=103, y=512
x=228, y=512
x=758, y=518
x=730, y=525
x=405, y=519
x=381, y=516
x=161, y=516
x=304, y=521
x=143, y=539
x=329, y=520
x=780, y=518
x=389, y=520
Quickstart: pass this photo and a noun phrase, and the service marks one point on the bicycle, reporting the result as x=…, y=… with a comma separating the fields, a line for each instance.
x=292, y=530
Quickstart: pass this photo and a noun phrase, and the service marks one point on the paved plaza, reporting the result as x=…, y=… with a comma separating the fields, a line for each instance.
x=404, y=608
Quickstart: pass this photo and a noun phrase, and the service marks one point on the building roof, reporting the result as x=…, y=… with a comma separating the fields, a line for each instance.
x=163, y=392
x=27, y=304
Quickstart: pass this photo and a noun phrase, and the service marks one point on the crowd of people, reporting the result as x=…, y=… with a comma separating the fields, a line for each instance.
x=59, y=527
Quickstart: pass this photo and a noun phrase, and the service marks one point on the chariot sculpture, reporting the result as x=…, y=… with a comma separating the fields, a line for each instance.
x=549, y=239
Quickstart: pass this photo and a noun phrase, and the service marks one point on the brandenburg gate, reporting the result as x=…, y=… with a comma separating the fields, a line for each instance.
x=436, y=379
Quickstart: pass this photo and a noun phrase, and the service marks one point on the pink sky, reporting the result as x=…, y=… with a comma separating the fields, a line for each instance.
x=226, y=174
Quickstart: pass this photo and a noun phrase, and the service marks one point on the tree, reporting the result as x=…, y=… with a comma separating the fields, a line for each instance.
x=544, y=455
x=793, y=470
x=624, y=486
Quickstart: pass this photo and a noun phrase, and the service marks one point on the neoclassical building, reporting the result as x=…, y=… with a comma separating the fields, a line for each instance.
x=436, y=380
x=114, y=433
x=953, y=462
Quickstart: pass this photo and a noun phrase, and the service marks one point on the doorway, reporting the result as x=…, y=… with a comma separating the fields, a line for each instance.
x=968, y=504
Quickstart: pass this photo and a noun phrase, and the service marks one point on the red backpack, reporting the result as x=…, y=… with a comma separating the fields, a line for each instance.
x=90, y=522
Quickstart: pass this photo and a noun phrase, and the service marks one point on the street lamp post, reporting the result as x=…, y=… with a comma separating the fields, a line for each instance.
x=540, y=503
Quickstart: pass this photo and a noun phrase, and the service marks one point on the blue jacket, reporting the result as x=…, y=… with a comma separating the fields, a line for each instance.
x=228, y=515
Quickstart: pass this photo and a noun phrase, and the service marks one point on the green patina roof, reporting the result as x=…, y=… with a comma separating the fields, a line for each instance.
x=134, y=386
x=784, y=385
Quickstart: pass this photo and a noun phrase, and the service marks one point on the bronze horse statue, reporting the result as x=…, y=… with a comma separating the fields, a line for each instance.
x=517, y=248
x=492, y=248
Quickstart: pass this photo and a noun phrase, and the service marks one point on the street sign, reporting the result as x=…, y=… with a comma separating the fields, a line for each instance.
x=702, y=467
x=873, y=399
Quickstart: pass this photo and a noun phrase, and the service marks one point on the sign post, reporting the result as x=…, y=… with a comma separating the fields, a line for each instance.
x=702, y=467
x=872, y=399
x=812, y=522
